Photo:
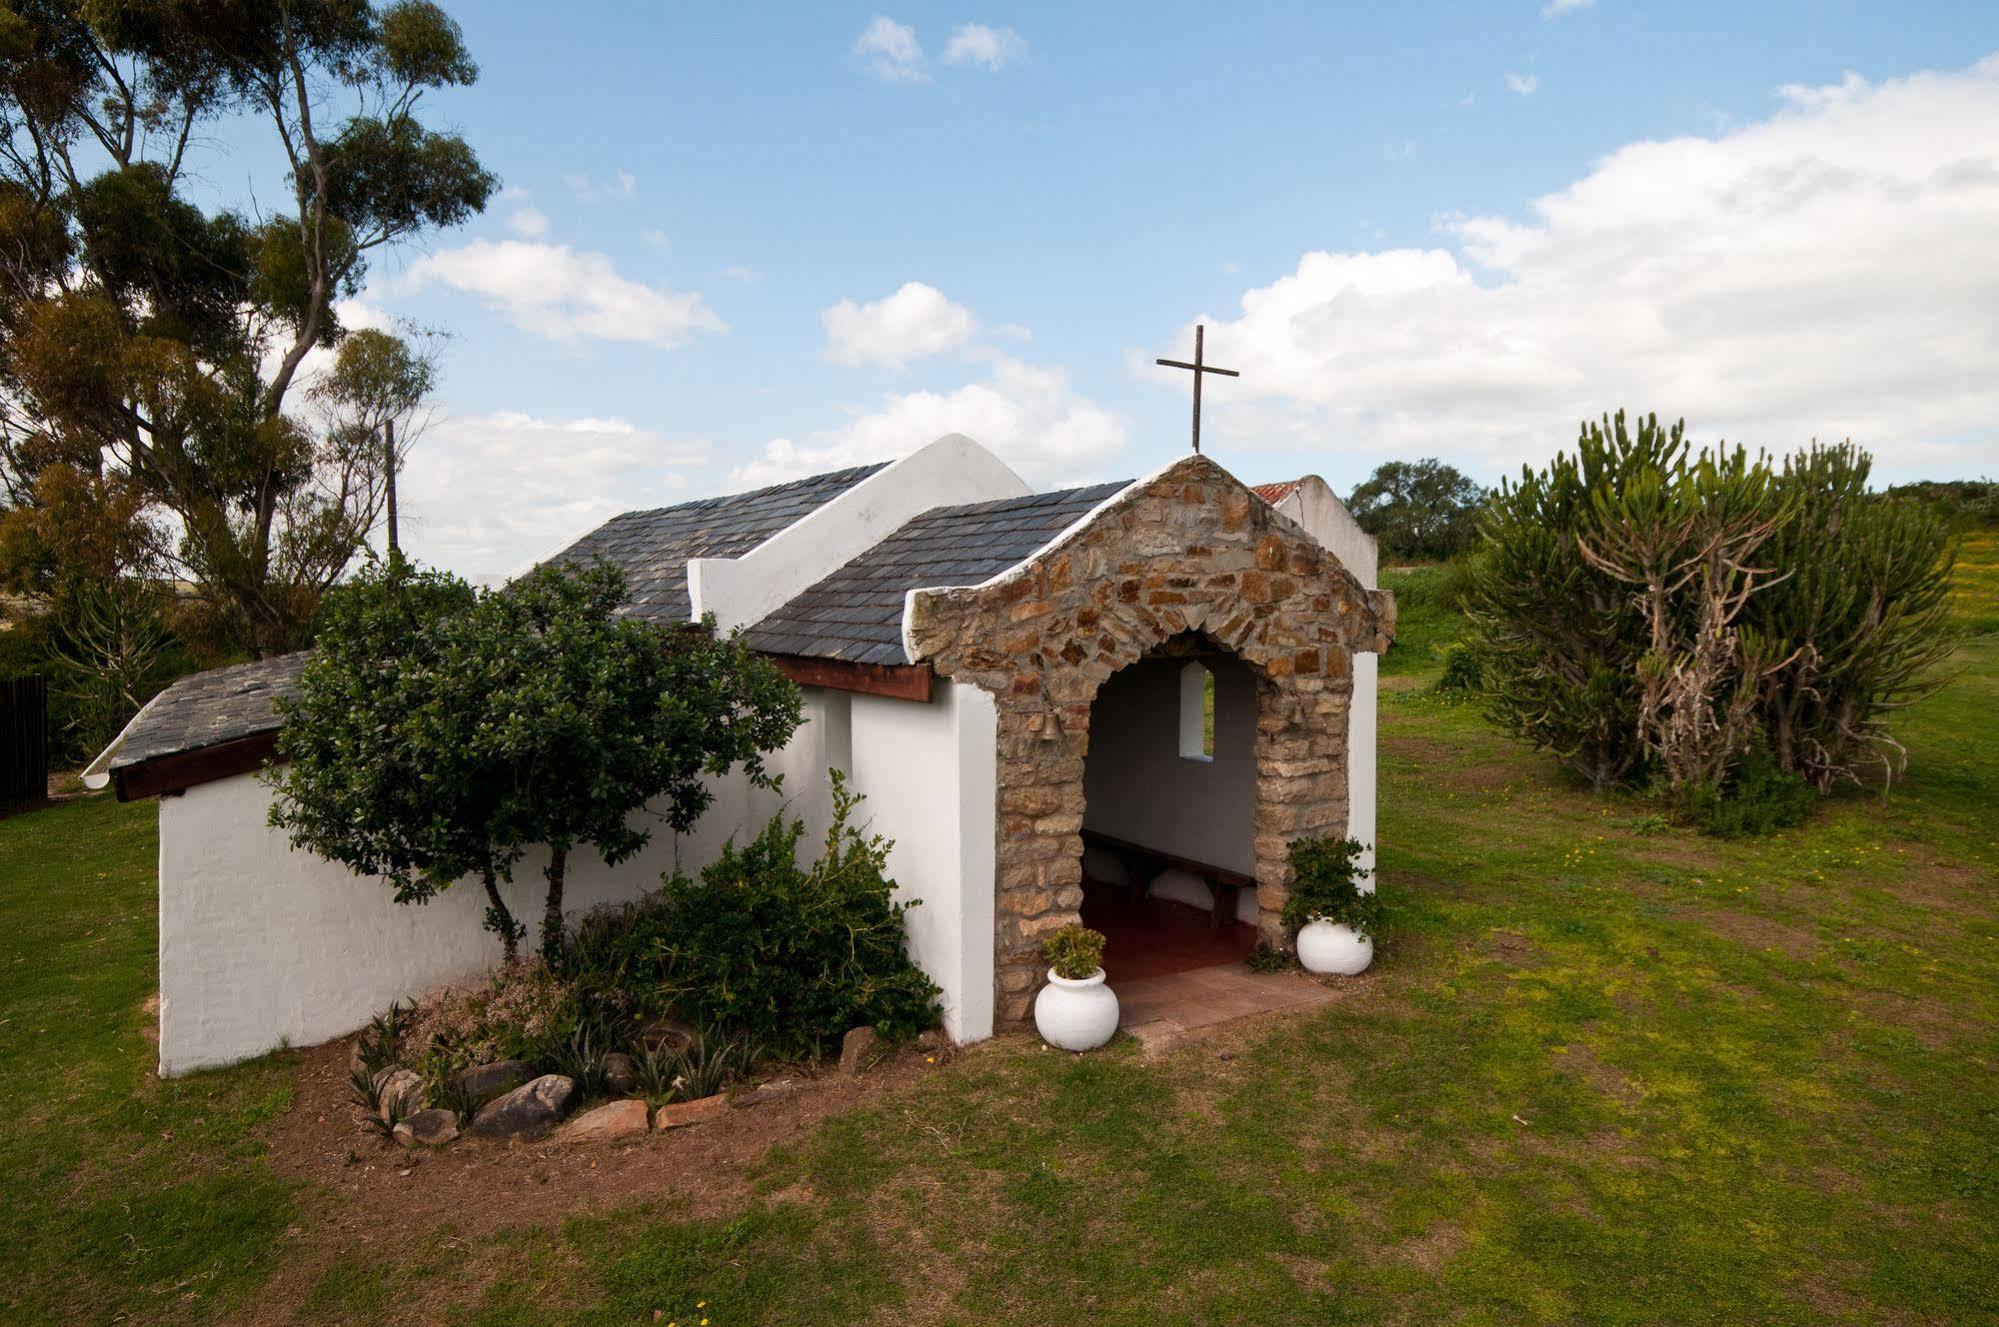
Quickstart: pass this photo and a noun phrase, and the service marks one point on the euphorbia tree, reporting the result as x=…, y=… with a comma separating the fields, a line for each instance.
x=440, y=733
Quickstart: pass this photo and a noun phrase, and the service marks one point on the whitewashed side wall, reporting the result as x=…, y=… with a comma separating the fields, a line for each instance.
x=1362, y=763
x=1314, y=505
x=262, y=946
x=929, y=774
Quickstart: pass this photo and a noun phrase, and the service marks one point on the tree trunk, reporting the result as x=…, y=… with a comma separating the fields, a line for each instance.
x=498, y=918
x=551, y=917
x=389, y=460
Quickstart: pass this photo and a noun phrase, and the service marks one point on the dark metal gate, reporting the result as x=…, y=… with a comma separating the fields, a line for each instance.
x=24, y=739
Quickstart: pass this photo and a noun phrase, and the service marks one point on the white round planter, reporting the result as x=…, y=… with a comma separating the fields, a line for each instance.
x=1333, y=947
x=1078, y=1015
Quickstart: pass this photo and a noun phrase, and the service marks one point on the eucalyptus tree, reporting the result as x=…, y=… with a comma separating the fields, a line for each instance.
x=153, y=342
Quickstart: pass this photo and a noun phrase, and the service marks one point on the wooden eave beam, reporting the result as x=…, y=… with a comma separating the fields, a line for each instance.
x=185, y=769
x=896, y=681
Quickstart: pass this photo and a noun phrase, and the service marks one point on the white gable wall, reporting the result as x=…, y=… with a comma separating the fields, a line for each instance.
x=949, y=472
x=1314, y=505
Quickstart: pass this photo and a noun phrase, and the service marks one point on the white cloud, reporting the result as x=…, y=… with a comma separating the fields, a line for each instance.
x=915, y=321
x=489, y=495
x=1825, y=272
x=622, y=184
x=559, y=292
x=1524, y=84
x=657, y=238
x=891, y=51
x=749, y=276
x=1025, y=413
x=528, y=222
x=989, y=48
x=1554, y=9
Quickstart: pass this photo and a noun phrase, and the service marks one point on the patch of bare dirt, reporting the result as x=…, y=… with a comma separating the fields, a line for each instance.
x=1931, y=1022
x=1431, y=1250
x=1513, y=949
x=1928, y=881
x=1761, y=932
x=1582, y=1062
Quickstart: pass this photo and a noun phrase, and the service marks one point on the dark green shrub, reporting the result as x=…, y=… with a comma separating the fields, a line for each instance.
x=1325, y=882
x=1461, y=668
x=1266, y=957
x=757, y=945
x=1758, y=798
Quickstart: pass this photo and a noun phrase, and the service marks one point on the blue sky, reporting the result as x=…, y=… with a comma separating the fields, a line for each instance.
x=1773, y=219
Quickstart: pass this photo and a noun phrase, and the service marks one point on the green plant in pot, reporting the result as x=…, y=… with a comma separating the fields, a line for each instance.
x=1333, y=912
x=1075, y=1011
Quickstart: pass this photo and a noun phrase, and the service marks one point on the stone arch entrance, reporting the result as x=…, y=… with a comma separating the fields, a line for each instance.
x=1169, y=814
x=1190, y=551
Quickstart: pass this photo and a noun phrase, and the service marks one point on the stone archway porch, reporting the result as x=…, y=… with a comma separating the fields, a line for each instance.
x=1189, y=551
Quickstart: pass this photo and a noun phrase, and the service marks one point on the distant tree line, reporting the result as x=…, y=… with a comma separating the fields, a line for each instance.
x=1419, y=511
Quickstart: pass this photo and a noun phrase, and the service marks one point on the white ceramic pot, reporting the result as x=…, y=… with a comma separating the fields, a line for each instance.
x=1333, y=947
x=1078, y=1015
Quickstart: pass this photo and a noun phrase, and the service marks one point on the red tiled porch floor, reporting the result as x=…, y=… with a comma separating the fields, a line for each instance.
x=1176, y=976
x=1162, y=1012
x=1156, y=936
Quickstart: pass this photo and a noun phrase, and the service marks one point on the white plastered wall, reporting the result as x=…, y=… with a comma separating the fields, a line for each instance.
x=929, y=773
x=1314, y=505
x=263, y=946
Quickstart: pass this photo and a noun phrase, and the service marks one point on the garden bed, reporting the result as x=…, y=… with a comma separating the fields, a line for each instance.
x=476, y=1186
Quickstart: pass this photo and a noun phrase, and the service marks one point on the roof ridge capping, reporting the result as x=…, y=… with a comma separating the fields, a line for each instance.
x=1179, y=466
x=952, y=471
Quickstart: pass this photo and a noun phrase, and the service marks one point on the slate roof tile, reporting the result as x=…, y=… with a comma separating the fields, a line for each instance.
x=652, y=548
x=207, y=709
x=943, y=547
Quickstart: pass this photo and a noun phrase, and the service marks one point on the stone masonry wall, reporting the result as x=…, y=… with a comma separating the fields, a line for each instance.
x=1190, y=551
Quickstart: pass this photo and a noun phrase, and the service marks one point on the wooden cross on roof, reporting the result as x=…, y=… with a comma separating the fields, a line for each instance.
x=1198, y=367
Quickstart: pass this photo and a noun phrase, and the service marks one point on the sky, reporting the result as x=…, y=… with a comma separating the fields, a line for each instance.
x=742, y=243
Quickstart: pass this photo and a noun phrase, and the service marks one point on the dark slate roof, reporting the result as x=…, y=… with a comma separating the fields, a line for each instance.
x=856, y=613
x=209, y=708
x=652, y=547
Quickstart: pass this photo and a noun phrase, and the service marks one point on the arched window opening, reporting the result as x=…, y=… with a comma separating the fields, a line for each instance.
x=1197, y=712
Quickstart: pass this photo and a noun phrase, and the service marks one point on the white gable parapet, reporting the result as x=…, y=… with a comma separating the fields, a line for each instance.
x=1313, y=504
x=950, y=471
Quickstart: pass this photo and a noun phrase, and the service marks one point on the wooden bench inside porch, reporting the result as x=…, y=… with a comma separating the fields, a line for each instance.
x=1143, y=865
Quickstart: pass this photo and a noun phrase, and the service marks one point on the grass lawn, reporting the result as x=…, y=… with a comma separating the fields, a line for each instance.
x=1601, y=1073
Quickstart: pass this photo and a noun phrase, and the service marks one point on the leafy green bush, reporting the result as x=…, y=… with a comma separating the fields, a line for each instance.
x=1074, y=952
x=1325, y=883
x=792, y=958
x=1757, y=799
x=1461, y=668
